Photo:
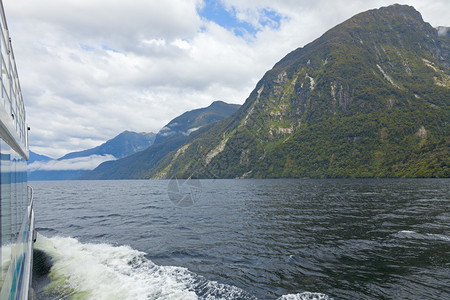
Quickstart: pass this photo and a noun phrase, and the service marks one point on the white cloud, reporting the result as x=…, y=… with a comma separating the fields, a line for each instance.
x=90, y=69
x=79, y=163
x=442, y=31
x=190, y=130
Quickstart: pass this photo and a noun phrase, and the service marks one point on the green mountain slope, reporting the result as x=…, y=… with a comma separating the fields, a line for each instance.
x=370, y=98
x=169, y=138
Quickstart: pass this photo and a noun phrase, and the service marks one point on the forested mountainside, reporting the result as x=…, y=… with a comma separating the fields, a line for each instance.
x=369, y=98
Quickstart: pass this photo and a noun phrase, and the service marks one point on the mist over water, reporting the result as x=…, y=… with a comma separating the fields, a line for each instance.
x=245, y=239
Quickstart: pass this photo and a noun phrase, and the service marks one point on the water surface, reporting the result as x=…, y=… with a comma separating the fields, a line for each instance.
x=246, y=239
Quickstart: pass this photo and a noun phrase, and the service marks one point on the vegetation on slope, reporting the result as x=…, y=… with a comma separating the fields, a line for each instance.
x=370, y=98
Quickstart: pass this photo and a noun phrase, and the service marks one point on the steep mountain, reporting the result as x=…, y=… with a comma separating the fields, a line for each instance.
x=191, y=121
x=73, y=164
x=369, y=98
x=124, y=144
x=169, y=138
x=37, y=157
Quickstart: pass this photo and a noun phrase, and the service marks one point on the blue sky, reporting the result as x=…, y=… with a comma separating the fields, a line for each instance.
x=216, y=12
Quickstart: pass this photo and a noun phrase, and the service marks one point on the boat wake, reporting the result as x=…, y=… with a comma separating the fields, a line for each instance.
x=102, y=271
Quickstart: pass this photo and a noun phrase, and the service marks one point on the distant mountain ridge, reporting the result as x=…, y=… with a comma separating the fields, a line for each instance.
x=369, y=98
x=38, y=157
x=169, y=138
x=72, y=165
x=124, y=144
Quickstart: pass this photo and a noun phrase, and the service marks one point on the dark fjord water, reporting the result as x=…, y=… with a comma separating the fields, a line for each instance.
x=245, y=239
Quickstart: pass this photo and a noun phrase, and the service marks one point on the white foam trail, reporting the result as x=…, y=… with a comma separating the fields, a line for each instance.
x=102, y=271
x=305, y=296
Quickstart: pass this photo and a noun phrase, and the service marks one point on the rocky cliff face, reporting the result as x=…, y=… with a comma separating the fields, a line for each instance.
x=368, y=98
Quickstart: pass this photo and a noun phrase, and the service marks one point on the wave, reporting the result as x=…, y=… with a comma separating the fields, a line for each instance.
x=102, y=271
x=409, y=234
x=306, y=296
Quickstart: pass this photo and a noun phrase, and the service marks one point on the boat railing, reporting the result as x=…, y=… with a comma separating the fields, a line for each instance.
x=11, y=92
